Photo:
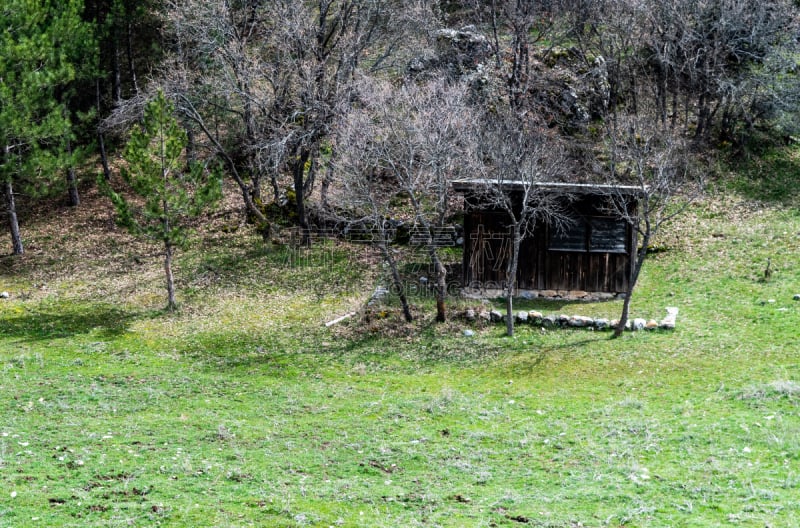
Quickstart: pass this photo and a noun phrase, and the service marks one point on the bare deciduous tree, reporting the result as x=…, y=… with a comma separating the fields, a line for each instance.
x=277, y=74
x=427, y=134
x=362, y=194
x=518, y=157
x=219, y=75
x=711, y=68
x=656, y=162
x=408, y=144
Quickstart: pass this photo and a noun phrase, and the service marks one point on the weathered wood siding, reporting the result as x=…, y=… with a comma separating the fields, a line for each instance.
x=487, y=245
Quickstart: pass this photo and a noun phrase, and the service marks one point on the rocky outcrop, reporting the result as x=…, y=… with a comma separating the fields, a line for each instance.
x=458, y=52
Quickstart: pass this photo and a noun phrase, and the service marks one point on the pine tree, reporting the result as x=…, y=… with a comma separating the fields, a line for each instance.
x=171, y=191
x=39, y=48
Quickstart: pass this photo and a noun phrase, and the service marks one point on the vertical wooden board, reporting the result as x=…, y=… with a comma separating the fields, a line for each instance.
x=541, y=263
x=620, y=273
x=526, y=268
x=466, y=254
x=594, y=274
x=604, y=277
x=558, y=271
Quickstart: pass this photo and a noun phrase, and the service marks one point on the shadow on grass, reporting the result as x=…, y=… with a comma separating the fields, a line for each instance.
x=286, y=355
x=67, y=319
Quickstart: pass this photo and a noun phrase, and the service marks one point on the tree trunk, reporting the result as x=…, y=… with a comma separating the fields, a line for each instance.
x=441, y=283
x=191, y=150
x=129, y=51
x=250, y=140
x=518, y=81
x=166, y=228
x=323, y=190
x=511, y=280
x=509, y=310
x=702, y=114
x=72, y=181
x=626, y=304
x=276, y=190
x=441, y=293
x=675, y=105
x=398, y=285
x=436, y=262
x=13, y=223
x=662, y=93
x=171, y=304
x=115, y=66
x=299, y=194
x=497, y=59
x=100, y=140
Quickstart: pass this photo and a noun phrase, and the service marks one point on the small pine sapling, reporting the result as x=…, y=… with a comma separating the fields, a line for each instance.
x=171, y=191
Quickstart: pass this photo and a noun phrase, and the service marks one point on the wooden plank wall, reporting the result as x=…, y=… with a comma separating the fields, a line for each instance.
x=486, y=246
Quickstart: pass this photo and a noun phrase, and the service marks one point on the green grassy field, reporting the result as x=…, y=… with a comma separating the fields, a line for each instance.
x=243, y=409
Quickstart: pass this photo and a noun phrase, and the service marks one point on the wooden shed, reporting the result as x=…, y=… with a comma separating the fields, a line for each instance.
x=591, y=253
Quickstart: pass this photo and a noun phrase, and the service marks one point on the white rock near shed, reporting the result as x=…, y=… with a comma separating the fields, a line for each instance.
x=668, y=323
x=4, y=295
x=580, y=321
x=601, y=324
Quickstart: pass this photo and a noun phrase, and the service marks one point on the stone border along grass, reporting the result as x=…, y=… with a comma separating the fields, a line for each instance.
x=537, y=318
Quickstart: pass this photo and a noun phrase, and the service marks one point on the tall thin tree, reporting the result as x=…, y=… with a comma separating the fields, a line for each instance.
x=156, y=171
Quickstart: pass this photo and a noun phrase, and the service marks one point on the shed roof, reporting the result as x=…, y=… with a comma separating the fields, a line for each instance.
x=556, y=187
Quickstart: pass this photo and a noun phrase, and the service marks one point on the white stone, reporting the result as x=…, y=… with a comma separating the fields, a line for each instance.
x=668, y=322
x=639, y=323
x=580, y=321
x=4, y=295
x=468, y=333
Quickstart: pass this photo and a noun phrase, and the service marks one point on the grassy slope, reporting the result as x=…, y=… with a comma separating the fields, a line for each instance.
x=243, y=410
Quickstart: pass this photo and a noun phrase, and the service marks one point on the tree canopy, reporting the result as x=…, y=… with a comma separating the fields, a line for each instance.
x=41, y=51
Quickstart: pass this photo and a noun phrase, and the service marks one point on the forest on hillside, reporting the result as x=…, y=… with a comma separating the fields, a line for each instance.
x=352, y=112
